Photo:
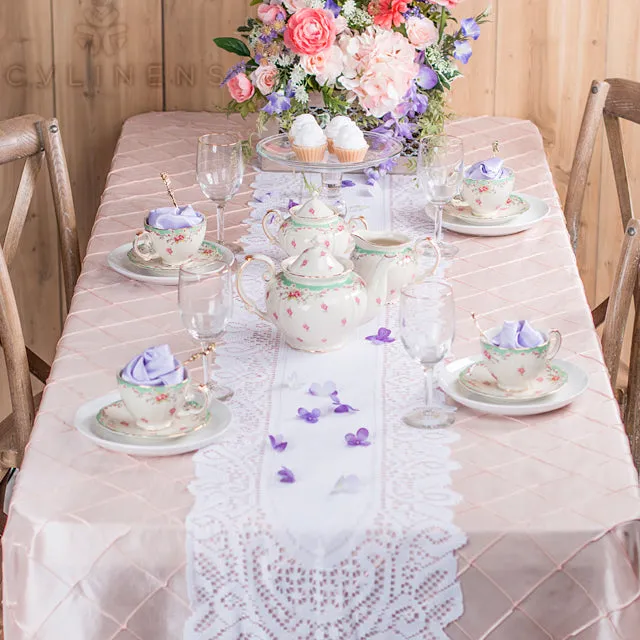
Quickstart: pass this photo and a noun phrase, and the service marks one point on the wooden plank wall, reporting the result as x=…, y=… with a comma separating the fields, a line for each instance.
x=93, y=63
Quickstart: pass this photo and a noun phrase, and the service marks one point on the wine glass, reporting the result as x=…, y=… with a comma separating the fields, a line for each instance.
x=219, y=171
x=205, y=298
x=427, y=329
x=440, y=172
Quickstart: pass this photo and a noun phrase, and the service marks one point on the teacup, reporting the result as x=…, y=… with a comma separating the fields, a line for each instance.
x=154, y=408
x=398, y=250
x=517, y=369
x=485, y=197
x=173, y=246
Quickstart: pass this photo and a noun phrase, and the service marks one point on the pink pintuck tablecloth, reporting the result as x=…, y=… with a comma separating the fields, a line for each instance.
x=95, y=545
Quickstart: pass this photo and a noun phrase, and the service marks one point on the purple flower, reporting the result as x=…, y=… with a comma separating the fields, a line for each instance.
x=427, y=78
x=286, y=475
x=348, y=183
x=347, y=484
x=292, y=203
x=278, y=443
x=358, y=439
x=382, y=337
x=330, y=5
x=341, y=408
x=373, y=175
x=309, y=416
x=388, y=165
x=463, y=51
x=240, y=67
x=470, y=28
x=326, y=389
x=276, y=103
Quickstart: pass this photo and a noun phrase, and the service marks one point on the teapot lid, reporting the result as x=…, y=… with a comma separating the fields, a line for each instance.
x=314, y=209
x=316, y=262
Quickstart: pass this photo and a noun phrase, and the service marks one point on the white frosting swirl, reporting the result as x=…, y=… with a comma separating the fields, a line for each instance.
x=310, y=135
x=305, y=119
x=331, y=130
x=350, y=137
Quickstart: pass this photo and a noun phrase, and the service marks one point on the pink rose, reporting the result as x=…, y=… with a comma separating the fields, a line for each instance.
x=421, y=32
x=264, y=78
x=448, y=4
x=326, y=66
x=310, y=31
x=240, y=88
x=270, y=13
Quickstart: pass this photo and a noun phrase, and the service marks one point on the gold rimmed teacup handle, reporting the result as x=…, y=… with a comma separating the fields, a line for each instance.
x=268, y=219
x=267, y=276
x=555, y=342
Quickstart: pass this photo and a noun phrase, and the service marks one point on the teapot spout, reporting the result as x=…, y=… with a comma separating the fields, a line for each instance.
x=377, y=290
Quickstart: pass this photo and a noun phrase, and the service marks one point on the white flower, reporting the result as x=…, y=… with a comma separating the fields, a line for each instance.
x=349, y=8
x=298, y=74
x=301, y=95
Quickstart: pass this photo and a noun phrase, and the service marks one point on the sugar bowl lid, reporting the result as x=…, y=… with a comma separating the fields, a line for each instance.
x=315, y=262
x=314, y=209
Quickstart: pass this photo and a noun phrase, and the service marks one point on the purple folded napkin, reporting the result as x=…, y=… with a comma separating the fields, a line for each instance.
x=518, y=335
x=156, y=367
x=174, y=217
x=491, y=169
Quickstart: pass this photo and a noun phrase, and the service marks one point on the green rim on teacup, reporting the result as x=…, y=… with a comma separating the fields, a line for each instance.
x=505, y=178
x=149, y=388
x=540, y=347
x=165, y=232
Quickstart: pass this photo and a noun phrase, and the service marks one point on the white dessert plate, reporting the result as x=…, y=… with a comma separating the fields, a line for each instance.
x=538, y=211
x=515, y=206
x=476, y=378
x=577, y=383
x=85, y=422
x=121, y=263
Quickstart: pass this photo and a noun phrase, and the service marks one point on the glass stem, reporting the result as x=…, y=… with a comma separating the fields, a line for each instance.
x=438, y=223
x=220, y=222
x=207, y=366
x=428, y=385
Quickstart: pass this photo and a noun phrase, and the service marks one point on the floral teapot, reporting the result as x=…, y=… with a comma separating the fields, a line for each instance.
x=398, y=250
x=307, y=222
x=317, y=300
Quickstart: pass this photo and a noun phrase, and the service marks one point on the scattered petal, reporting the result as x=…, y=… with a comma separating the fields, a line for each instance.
x=278, y=443
x=327, y=389
x=292, y=203
x=382, y=337
x=309, y=416
x=293, y=381
x=340, y=407
x=347, y=484
x=358, y=439
x=286, y=475
x=348, y=183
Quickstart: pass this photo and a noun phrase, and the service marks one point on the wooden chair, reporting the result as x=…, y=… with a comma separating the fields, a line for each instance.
x=626, y=287
x=610, y=100
x=33, y=139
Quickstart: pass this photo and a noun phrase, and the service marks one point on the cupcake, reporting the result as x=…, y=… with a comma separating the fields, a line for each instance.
x=349, y=145
x=305, y=119
x=309, y=143
x=331, y=130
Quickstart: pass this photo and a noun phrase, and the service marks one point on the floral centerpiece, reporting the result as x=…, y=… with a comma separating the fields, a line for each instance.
x=387, y=63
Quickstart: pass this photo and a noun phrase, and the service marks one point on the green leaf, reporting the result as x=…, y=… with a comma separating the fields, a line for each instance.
x=243, y=29
x=254, y=2
x=233, y=45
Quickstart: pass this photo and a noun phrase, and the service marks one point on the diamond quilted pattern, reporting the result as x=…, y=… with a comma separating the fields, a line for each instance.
x=549, y=503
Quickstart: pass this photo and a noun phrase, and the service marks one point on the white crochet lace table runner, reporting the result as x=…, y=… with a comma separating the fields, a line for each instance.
x=268, y=560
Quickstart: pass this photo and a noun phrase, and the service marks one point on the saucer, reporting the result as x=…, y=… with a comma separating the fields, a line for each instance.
x=577, y=383
x=85, y=422
x=477, y=379
x=208, y=252
x=115, y=417
x=538, y=211
x=516, y=205
x=120, y=262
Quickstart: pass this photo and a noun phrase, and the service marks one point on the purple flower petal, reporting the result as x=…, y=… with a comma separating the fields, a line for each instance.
x=327, y=389
x=351, y=440
x=362, y=433
x=427, y=78
x=382, y=337
x=348, y=183
x=278, y=443
x=309, y=416
x=462, y=51
x=359, y=439
x=292, y=203
x=470, y=28
x=286, y=475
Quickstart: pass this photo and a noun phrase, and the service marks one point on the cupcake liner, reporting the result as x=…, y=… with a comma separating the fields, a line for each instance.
x=330, y=145
x=310, y=154
x=350, y=155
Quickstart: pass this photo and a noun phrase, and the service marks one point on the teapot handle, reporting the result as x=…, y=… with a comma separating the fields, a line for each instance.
x=420, y=250
x=269, y=218
x=267, y=277
x=354, y=223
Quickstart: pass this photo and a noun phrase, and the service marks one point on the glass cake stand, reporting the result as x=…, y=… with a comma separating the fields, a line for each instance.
x=381, y=147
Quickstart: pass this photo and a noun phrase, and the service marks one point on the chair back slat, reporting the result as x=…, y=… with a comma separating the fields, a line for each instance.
x=15, y=354
x=614, y=137
x=18, y=216
x=632, y=412
x=623, y=100
x=625, y=282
